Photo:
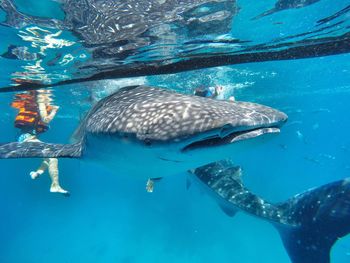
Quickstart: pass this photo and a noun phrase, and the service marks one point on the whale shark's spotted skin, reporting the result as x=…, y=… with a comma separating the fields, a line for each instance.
x=309, y=223
x=111, y=20
x=160, y=114
x=40, y=149
x=225, y=179
x=151, y=114
x=285, y=4
x=114, y=27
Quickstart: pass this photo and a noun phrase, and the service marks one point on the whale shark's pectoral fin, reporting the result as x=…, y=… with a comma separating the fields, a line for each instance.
x=40, y=150
x=228, y=211
x=217, y=176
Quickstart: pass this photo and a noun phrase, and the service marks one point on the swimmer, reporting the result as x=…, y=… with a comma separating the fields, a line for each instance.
x=50, y=164
x=35, y=114
x=209, y=92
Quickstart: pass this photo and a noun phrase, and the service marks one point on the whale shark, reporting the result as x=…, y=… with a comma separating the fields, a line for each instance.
x=309, y=223
x=155, y=132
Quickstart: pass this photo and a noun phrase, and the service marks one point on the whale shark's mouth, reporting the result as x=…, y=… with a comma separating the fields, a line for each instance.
x=232, y=137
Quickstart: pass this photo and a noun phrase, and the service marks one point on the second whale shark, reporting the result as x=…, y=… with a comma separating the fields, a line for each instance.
x=309, y=223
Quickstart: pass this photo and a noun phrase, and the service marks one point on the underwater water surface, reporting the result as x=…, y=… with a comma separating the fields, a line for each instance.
x=109, y=217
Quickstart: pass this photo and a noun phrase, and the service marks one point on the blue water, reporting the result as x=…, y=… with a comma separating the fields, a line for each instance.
x=111, y=218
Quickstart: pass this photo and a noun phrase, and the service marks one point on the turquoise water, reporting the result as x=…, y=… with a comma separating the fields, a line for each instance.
x=111, y=218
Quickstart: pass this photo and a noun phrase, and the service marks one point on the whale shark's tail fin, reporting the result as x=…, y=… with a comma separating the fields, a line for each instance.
x=323, y=216
x=309, y=223
x=40, y=150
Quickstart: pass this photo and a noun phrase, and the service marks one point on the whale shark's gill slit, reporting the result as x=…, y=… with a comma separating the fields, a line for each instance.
x=229, y=138
x=226, y=130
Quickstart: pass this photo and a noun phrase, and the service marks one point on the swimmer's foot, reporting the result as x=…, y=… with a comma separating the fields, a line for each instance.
x=35, y=174
x=55, y=188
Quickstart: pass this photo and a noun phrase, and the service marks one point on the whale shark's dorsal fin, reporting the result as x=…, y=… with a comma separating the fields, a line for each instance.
x=40, y=150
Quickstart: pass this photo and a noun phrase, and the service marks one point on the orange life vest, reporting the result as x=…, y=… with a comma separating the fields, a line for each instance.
x=28, y=117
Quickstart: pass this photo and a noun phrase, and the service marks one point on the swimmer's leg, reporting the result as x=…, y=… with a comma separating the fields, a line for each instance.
x=53, y=171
